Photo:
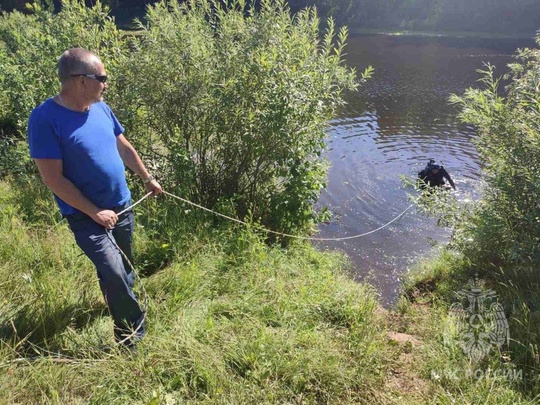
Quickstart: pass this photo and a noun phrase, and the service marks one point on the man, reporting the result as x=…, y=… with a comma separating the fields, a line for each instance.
x=434, y=175
x=80, y=150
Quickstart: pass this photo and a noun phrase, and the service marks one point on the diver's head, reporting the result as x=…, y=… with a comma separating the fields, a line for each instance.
x=432, y=167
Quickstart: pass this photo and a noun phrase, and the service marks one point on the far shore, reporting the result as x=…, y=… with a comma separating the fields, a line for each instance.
x=441, y=34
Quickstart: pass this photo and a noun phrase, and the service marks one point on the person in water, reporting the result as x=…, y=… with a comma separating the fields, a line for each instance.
x=433, y=175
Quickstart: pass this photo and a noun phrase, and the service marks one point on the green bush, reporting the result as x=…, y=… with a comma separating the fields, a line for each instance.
x=34, y=42
x=505, y=226
x=30, y=47
x=235, y=103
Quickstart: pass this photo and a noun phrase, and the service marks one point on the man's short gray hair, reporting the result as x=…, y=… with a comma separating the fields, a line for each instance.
x=76, y=60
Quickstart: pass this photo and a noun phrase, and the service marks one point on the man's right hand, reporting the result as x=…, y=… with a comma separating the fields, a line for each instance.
x=105, y=218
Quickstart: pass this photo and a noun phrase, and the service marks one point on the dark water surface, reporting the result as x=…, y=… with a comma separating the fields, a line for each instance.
x=391, y=127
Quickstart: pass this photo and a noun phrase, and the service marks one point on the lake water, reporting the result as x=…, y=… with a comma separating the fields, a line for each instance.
x=391, y=127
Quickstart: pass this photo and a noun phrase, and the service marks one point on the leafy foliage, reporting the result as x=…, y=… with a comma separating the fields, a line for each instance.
x=505, y=227
x=31, y=45
x=233, y=103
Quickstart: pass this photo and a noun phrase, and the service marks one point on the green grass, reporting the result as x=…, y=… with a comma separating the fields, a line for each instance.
x=425, y=312
x=231, y=319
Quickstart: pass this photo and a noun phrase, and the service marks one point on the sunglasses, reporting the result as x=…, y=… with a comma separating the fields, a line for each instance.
x=99, y=78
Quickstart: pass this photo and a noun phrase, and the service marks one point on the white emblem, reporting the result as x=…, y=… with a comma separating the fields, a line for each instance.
x=481, y=321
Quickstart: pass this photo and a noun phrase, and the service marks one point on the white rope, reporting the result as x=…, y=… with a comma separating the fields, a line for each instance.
x=287, y=234
x=145, y=295
x=137, y=203
x=62, y=358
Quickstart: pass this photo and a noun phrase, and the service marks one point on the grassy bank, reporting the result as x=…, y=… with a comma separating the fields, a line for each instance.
x=507, y=375
x=231, y=320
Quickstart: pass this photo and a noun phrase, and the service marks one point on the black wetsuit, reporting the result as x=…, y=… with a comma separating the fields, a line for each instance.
x=435, y=180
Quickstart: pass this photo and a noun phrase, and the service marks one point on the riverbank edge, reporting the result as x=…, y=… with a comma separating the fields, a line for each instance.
x=440, y=34
x=231, y=319
x=436, y=355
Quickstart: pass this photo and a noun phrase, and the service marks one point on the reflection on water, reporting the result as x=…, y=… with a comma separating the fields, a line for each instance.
x=397, y=121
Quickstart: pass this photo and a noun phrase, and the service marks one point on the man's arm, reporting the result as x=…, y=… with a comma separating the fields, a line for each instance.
x=447, y=177
x=52, y=173
x=132, y=160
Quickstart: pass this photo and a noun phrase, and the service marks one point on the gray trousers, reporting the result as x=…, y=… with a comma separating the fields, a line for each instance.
x=116, y=278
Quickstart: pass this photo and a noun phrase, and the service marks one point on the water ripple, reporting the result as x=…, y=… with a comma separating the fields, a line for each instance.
x=391, y=128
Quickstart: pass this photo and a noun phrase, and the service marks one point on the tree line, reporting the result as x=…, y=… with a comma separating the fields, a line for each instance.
x=495, y=16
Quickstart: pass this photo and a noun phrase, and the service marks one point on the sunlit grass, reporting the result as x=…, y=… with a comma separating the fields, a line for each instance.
x=431, y=291
x=230, y=319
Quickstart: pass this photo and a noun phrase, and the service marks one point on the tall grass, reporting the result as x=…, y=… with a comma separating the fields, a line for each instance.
x=508, y=375
x=231, y=319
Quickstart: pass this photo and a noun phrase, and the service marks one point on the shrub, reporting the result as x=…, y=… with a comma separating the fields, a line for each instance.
x=34, y=42
x=31, y=45
x=505, y=226
x=228, y=104
x=235, y=101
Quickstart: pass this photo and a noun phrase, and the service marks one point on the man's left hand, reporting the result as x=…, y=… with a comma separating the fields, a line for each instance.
x=154, y=187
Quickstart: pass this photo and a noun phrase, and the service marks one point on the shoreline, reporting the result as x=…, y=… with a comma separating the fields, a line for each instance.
x=441, y=34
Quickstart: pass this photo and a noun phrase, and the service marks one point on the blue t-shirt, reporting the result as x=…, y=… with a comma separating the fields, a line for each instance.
x=86, y=144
